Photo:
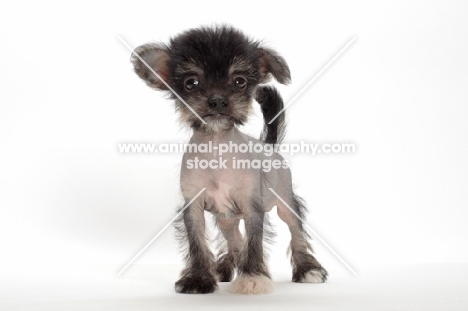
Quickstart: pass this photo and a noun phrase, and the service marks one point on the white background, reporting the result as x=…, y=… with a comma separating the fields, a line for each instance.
x=69, y=96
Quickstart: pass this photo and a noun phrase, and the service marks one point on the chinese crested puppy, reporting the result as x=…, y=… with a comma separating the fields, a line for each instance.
x=213, y=75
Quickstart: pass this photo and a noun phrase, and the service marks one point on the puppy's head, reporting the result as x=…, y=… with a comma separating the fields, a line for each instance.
x=214, y=70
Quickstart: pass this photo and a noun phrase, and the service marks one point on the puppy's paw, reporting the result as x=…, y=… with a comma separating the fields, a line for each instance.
x=196, y=284
x=252, y=284
x=317, y=275
x=225, y=268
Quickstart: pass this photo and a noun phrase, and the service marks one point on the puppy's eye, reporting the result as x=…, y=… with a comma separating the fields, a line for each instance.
x=191, y=83
x=240, y=82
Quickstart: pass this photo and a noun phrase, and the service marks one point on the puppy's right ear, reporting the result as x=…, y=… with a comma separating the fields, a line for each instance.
x=149, y=59
x=272, y=64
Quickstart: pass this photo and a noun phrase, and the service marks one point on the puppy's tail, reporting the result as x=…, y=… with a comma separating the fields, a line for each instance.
x=271, y=103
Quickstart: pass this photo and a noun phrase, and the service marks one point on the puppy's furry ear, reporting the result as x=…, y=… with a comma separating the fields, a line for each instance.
x=272, y=64
x=155, y=56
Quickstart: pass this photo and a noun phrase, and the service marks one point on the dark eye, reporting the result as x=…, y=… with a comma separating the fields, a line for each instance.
x=240, y=82
x=191, y=83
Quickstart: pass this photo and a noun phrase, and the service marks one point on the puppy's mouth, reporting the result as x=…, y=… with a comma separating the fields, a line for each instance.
x=217, y=115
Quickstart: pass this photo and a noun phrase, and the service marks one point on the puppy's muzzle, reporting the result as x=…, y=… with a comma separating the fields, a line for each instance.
x=218, y=103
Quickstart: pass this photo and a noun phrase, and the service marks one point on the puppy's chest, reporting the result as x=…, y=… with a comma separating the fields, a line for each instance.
x=214, y=169
x=227, y=186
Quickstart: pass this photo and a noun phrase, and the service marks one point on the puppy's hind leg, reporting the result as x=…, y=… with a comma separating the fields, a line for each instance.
x=306, y=269
x=198, y=275
x=227, y=262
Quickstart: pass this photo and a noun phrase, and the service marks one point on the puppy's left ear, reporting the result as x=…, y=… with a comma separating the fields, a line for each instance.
x=272, y=64
x=149, y=59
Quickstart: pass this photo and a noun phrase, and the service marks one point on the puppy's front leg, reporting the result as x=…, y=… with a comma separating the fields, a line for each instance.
x=253, y=277
x=198, y=276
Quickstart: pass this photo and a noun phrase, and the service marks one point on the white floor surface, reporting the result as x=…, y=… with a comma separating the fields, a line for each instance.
x=150, y=287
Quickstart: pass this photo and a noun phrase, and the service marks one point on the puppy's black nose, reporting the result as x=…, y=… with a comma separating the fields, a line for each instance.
x=217, y=102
